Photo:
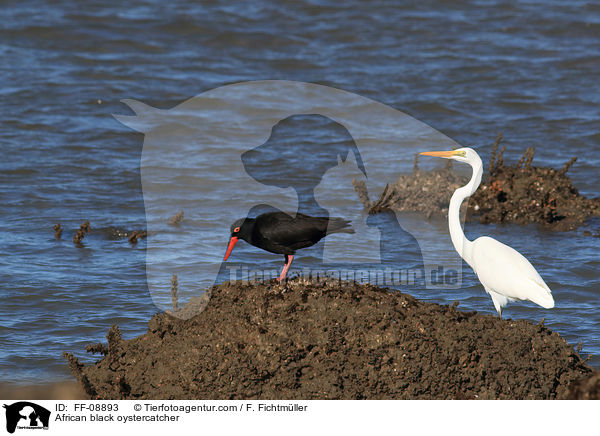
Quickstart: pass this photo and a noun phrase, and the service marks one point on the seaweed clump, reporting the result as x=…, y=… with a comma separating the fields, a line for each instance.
x=83, y=230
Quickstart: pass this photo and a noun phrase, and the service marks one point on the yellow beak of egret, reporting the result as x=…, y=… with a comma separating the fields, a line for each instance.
x=445, y=154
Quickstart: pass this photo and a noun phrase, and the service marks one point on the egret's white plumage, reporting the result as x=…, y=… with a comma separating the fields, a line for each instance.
x=504, y=272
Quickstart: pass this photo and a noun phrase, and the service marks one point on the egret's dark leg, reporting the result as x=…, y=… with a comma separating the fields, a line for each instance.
x=286, y=267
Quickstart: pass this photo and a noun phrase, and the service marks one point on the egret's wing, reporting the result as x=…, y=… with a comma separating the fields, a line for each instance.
x=507, y=272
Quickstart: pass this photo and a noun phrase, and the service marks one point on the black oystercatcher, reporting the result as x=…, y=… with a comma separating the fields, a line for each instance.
x=281, y=233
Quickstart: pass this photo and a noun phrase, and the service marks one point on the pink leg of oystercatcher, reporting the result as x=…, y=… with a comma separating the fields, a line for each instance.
x=286, y=267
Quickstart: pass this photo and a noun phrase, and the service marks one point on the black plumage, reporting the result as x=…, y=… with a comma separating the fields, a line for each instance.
x=278, y=232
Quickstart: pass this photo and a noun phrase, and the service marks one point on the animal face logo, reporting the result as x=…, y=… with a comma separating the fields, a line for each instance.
x=226, y=154
x=25, y=414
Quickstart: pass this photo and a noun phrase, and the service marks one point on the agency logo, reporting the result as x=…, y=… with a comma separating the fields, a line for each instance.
x=276, y=146
x=26, y=415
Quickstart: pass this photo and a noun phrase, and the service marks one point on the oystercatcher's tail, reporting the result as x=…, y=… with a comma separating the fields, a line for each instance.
x=339, y=225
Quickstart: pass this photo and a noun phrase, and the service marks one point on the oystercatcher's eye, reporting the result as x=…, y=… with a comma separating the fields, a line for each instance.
x=237, y=229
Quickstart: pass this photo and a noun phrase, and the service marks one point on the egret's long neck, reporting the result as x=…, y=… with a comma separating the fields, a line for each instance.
x=459, y=240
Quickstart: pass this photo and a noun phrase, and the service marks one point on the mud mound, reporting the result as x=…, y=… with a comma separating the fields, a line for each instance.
x=45, y=391
x=521, y=193
x=330, y=340
x=526, y=194
x=428, y=192
x=587, y=388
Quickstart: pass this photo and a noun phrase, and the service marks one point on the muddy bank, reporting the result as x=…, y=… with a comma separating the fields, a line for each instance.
x=520, y=193
x=330, y=341
x=526, y=194
x=44, y=391
x=587, y=388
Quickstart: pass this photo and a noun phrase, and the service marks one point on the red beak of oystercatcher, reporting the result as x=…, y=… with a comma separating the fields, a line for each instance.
x=232, y=243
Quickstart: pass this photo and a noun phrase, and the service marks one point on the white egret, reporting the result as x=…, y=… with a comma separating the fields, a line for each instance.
x=504, y=272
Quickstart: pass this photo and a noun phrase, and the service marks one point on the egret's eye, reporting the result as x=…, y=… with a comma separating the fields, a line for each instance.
x=237, y=229
x=461, y=153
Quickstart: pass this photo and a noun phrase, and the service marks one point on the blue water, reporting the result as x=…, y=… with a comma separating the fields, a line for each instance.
x=529, y=70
